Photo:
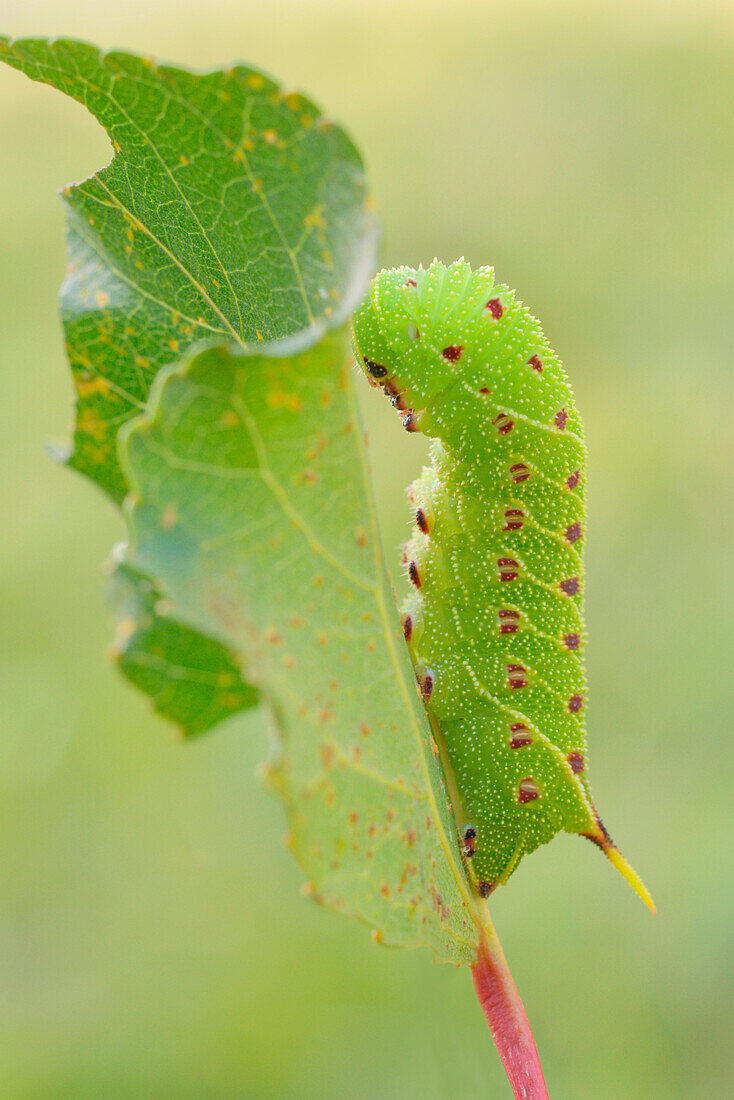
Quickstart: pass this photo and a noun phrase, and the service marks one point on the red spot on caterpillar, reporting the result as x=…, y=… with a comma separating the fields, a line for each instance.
x=570, y=587
x=414, y=574
x=427, y=687
x=573, y=479
x=407, y=627
x=507, y=569
x=576, y=762
x=573, y=533
x=453, y=352
x=571, y=641
x=519, y=472
x=484, y=889
x=410, y=421
x=520, y=736
x=560, y=419
x=535, y=363
x=514, y=517
x=376, y=369
x=410, y=282
x=575, y=703
x=485, y=389
x=516, y=677
x=495, y=307
x=527, y=790
x=503, y=424
x=421, y=521
x=505, y=613
x=470, y=835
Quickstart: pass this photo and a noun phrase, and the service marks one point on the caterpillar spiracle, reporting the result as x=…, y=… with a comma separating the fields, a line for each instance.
x=494, y=622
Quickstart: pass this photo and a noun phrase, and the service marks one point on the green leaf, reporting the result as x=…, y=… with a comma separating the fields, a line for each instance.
x=193, y=680
x=251, y=506
x=231, y=209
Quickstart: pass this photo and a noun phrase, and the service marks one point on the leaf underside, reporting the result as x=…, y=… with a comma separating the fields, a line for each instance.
x=251, y=506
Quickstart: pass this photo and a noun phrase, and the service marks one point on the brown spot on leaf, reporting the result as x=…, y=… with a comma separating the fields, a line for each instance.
x=327, y=754
x=169, y=517
x=438, y=904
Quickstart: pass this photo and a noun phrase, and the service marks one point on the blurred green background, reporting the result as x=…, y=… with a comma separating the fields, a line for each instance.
x=153, y=940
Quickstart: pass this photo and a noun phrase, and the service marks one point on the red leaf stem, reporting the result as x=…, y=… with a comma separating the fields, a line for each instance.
x=507, y=1020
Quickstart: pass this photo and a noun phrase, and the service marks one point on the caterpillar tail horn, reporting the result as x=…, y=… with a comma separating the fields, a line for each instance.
x=602, y=839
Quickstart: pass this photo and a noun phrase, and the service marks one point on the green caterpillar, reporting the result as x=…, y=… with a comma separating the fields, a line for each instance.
x=494, y=623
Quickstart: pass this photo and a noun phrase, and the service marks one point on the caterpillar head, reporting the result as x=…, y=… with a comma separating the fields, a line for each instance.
x=405, y=332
